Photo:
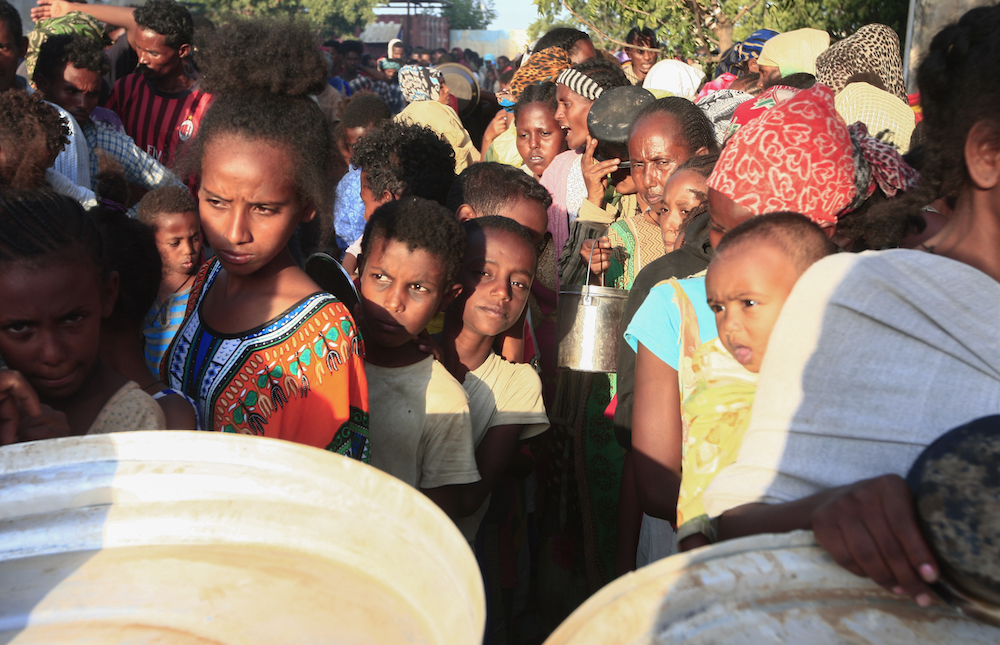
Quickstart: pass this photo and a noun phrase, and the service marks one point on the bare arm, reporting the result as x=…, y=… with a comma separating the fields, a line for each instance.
x=118, y=16
x=451, y=499
x=869, y=528
x=656, y=436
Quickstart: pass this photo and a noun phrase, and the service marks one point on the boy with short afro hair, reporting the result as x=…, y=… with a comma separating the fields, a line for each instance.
x=172, y=214
x=398, y=160
x=412, y=252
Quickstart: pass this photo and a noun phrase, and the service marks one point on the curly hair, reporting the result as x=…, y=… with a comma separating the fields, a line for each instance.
x=364, y=110
x=561, y=37
x=41, y=225
x=26, y=121
x=692, y=122
x=283, y=59
x=607, y=74
x=489, y=186
x=420, y=224
x=79, y=51
x=167, y=18
x=132, y=253
x=955, y=95
x=798, y=237
x=165, y=200
x=544, y=93
x=266, y=99
x=406, y=159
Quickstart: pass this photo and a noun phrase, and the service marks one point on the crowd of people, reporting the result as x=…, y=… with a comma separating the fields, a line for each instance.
x=810, y=256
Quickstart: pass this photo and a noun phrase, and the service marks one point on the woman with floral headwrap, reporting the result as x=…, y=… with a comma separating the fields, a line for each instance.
x=427, y=96
x=799, y=156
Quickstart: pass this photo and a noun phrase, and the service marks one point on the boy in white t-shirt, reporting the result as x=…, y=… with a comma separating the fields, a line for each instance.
x=419, y=417
x=505, y=399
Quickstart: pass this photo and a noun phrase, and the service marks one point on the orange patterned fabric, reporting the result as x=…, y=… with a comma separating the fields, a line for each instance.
x=797, y=156
x=541, y=66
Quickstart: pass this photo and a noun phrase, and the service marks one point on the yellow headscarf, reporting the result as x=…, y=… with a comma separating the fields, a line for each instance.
x=794, y=51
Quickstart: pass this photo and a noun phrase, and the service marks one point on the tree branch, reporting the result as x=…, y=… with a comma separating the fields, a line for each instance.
x=603, y=35
x=745, y=10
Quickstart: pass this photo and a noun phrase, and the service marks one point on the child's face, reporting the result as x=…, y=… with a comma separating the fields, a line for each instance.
x=539, y=137
x=50, y=323
x=496, y=279
x=249, y=202
x=178, y=239
x=401, y=290
x=746, y=287
x=685, y=191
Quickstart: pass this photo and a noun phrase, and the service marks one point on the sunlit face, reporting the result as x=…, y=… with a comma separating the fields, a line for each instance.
x=723, y=215
x=353, y=135
x=747, y=285
x=156, y=59
x=539, y=137
x=50, y=323
x=178, y=239
x=496, y=279
x=249, y=202
x=655, y=149
x=685, y=191
x=642, y=60
x=572, y=116
x=74, y=89
x=401, y=290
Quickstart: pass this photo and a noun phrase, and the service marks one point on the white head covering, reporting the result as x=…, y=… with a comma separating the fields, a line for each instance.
x=676, y=77
x=392, y=43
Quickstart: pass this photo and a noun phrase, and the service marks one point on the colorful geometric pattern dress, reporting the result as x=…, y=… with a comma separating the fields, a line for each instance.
x=299, y=377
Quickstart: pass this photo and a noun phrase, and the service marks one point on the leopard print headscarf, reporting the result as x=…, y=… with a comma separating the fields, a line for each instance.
x=872, y=49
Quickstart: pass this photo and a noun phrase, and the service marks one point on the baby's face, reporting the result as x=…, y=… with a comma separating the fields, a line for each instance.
x=746, y=287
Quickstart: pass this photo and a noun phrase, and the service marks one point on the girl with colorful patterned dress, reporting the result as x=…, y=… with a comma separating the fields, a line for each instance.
x=262, y=350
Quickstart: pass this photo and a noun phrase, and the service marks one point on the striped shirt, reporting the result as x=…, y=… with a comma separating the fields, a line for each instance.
x=140, y=169
x=157, y=122
x=160, y=326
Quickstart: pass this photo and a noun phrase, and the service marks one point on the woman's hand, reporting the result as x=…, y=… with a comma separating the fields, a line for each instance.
x=595, y=174
x=870, y=529
x=17, y=399
x=498, y=125
x=600, y=261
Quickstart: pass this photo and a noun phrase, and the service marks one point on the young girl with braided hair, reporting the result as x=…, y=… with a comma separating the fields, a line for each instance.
x=262, y=349
x=884, y=318
x=55, y=288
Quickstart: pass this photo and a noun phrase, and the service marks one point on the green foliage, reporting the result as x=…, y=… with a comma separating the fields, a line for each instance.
x=470, y=14
x=330, y=17
x=721, y=21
